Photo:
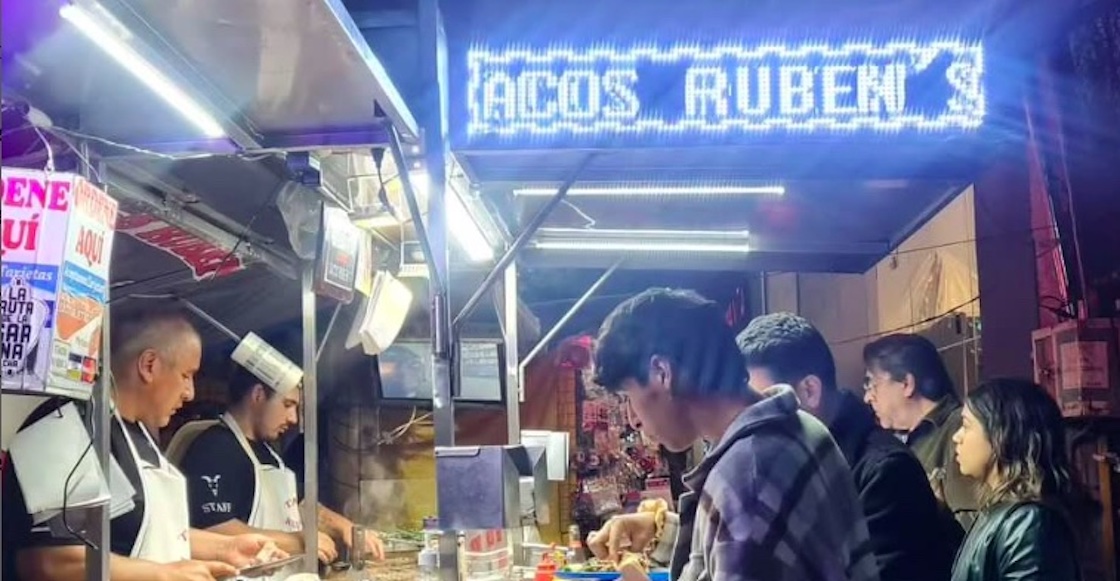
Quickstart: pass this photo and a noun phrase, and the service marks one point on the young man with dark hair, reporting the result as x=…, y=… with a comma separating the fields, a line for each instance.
x=772, y=499
x=239, y=484
x=911, y=392
x=903, y=517
x=154, y=357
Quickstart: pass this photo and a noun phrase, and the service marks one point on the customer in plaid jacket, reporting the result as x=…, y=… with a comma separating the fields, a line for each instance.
x=772, y=500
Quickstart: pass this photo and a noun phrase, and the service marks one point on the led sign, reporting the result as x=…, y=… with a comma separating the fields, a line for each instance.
x=727, y=90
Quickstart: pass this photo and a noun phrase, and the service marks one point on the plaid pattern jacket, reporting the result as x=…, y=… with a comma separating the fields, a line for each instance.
x=774, y=500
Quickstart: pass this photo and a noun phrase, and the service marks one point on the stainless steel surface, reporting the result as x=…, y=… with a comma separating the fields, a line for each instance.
x=97, y=557
x=532, y=462
x=433, y=76
x=514, y=390
x=310, y=424
x=522, y=239
x=485, y=491
x=292, y=67
x=586, y=296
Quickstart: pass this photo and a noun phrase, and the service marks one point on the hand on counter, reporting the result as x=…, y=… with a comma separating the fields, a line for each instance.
x=374, y=548
x=328, y=552
x=251, y=549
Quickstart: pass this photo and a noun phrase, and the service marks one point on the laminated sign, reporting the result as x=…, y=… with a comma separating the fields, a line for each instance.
x=57, y=243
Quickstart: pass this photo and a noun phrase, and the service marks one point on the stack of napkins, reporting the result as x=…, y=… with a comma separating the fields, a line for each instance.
x=58, y=469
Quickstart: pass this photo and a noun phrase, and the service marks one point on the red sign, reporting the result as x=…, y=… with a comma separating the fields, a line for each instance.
x=204, y=258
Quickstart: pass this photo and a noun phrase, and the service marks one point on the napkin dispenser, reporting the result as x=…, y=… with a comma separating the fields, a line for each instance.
x=532, y=464
x=479, y=487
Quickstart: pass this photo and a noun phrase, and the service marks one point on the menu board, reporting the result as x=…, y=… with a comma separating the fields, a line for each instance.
x=405, y=371
x=480, y=367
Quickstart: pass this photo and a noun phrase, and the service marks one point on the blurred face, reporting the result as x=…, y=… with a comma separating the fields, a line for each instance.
x=809, y=389
x=274, y=413
x=168, y=378
x=889, y=398
x=973, y=448
x=652, y=410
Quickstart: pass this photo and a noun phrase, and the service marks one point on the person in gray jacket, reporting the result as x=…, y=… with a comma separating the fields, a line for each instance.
x=772, y=499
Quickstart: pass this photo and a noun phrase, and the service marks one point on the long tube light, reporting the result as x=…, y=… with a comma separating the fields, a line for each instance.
x=657, y=190
x=461, y=224
x=114, y=46
x=575, y=239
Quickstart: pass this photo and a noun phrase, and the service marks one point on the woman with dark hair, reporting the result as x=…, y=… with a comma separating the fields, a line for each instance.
x=1012, y=441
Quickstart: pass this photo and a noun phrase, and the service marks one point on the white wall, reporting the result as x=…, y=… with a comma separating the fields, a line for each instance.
x=931, y=273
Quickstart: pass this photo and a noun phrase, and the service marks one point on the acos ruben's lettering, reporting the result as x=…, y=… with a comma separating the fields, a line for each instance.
x=887, y=87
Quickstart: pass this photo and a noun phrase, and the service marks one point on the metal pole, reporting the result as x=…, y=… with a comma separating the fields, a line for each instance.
x=435, y=272
x=211, y=320
x=310, y=424
x=436, y=110
x=327, y=333
x=522, y=239
x=97, y=557
x=514, y=389
x=586, y=296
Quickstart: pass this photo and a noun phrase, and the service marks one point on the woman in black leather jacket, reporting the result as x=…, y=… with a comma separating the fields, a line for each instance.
x=1012, y=441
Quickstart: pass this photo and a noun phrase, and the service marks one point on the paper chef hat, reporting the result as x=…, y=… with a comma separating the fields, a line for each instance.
x=267, y=364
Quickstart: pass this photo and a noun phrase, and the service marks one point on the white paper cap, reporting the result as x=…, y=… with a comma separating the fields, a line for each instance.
x=267, y=364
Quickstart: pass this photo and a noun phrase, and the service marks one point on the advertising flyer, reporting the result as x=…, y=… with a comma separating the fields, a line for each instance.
x=57, y=243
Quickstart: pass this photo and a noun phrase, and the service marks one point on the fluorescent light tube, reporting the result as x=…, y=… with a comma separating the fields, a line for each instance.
x=657, y=190
x=572, y=239
x=117, y=48
x=460, y=223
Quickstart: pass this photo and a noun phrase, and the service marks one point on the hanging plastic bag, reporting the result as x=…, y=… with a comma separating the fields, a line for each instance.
x=302, y=210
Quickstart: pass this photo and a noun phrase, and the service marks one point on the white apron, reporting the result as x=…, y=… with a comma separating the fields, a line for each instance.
x=275, y=496
x=164, y=535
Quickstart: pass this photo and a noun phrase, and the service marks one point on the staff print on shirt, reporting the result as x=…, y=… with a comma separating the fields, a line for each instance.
x=212, y=483
x=215, y=507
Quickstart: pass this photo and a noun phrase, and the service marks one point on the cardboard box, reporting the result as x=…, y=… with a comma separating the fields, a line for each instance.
x=57, y=244
x=1077, y=363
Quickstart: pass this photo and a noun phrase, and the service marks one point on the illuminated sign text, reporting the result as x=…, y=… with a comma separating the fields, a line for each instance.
x=727, y=90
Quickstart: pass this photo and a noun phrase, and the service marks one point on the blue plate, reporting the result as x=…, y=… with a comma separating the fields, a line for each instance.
x=608, y=576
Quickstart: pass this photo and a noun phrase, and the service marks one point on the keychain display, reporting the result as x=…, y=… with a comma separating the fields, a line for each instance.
x=613, y=461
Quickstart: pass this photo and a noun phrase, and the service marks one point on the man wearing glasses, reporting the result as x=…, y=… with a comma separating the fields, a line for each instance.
x=911, y=392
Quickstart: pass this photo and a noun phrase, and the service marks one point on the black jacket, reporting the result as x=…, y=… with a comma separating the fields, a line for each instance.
x=908, y=533
x=1021, y=541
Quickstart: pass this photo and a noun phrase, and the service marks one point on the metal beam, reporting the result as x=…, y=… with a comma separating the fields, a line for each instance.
x=436, y=275
x=211, y=320
x=310, y=509
x=97, y=556
x=522, y=239
x=514, y=391
x=572, y=311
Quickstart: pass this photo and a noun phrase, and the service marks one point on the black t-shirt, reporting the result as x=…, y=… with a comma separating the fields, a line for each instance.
x=220, y=477
x=20, y=533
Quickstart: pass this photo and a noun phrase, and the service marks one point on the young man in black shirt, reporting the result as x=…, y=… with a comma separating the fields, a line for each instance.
x=154, y=358
x=902, y=513
x=239, y=484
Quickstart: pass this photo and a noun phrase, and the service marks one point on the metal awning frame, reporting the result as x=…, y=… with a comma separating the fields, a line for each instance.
x=387, y=109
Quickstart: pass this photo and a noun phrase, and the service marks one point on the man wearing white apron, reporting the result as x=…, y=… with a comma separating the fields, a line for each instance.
x=154, y=358
x=239, y=484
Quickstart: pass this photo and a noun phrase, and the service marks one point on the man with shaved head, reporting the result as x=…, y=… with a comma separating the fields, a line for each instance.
x=154, y=357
